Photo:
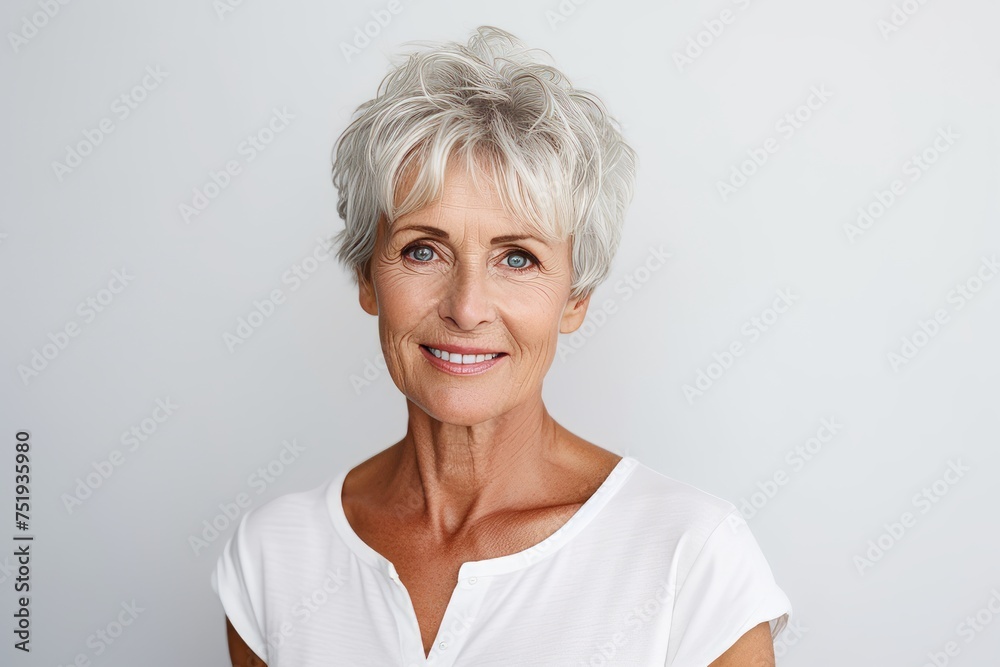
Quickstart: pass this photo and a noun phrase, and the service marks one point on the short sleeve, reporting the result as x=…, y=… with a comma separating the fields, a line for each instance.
x=728, y=591
x=237, y=581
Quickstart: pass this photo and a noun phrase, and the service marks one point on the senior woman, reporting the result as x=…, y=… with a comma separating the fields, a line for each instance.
x=483, y=198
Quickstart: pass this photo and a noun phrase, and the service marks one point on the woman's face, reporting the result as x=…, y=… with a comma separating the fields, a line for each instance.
x=446, y=277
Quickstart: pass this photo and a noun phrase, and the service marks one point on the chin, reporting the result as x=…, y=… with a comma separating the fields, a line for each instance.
x=465, y=410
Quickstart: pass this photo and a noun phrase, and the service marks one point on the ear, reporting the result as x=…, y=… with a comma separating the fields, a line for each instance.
x=574, y=314
x=366, y=293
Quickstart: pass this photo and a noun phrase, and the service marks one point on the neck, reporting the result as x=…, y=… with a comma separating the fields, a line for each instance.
x=450, y=475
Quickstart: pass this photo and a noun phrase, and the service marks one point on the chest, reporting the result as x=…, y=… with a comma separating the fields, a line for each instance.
x=430, y=584
x=429, y=571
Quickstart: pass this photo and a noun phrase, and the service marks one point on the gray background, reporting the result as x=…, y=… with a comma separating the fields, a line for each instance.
x=826, y=357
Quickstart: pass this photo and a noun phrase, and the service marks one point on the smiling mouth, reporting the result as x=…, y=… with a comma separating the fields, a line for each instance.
x=463, y=359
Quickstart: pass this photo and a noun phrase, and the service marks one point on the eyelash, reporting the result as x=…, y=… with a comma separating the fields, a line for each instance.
x=534, y=262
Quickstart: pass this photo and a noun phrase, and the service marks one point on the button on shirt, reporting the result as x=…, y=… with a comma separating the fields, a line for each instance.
x=648, y=571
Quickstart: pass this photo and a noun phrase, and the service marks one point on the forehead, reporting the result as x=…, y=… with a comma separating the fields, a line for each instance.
x=460, y=191
x=461, y=198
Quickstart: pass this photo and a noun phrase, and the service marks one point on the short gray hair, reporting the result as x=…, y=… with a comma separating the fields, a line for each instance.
x=555, y=155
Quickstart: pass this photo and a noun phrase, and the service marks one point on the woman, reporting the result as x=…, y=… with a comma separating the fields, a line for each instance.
x=483, y=199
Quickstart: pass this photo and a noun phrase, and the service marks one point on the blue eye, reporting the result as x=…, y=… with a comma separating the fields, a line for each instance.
x=518, y=260
x=521, y=260
x=426, y=252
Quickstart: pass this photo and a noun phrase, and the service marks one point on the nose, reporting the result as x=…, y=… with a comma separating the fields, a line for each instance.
x=468, y=301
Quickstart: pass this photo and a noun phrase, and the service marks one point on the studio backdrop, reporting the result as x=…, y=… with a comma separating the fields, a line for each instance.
x=802, y=318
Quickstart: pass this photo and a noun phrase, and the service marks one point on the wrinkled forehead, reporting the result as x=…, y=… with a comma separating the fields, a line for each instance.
x=461, y=214
x=460, y=191
x=460, y=199
x=458, y=187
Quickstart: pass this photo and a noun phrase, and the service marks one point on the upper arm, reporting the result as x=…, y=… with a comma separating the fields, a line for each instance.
x=753, y=649
x=725, y=603
x=239, y=653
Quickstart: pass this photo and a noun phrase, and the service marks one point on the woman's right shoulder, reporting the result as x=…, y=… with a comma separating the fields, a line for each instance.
x=290, y=513
x=310, y=510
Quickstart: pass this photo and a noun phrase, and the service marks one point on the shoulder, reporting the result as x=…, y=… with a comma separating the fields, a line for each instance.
x=275, y=551
x=297, y=514
x=675, y=505
x=673, y=523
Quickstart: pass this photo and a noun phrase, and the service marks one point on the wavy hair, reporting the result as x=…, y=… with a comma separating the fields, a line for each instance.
x=556, y=157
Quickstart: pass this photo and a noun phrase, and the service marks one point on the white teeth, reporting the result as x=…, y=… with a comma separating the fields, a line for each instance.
x=462, y=358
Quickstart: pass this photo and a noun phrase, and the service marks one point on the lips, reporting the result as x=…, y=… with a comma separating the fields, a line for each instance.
x=461, y=355
x=461, y=365
x=461, y=349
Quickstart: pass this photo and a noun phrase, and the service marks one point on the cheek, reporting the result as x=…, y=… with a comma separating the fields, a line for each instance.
x=531, y=308
x=548, y=295
x=537, y=304
x=532, y=316
x=402, y=291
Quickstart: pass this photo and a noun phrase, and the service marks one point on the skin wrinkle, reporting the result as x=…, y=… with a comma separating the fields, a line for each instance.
x=451, y=492
x=468, y=436
x=410, y=172
x=483, y=469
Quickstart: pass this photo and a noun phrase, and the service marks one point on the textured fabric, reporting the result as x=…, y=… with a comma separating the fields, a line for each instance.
x=649, y=571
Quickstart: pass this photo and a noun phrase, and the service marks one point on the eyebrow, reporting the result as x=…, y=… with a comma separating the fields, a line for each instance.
x=440, y=233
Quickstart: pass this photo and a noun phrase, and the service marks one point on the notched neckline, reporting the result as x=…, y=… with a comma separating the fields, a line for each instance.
x=490, y=566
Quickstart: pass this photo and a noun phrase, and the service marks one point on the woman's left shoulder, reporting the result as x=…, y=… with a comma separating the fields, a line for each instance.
x=678, y=506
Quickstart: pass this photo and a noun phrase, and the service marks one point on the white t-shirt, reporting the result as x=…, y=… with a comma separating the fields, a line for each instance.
x=649, y=571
